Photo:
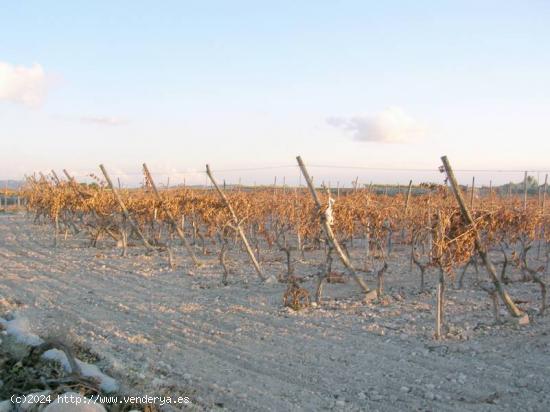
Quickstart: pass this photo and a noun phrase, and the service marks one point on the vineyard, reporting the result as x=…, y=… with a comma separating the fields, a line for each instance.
x=435, y=230
x=309, y=250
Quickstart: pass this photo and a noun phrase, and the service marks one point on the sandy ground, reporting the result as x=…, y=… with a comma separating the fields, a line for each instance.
x=183, y=333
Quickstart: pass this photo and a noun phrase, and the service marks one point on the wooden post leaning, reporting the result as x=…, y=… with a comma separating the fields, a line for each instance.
x=525, y=191
x=472, y=192
x=237, y=225
x=179, y=230
x=57, y=181
x=503, y=294
x=124, y=210
x=328, y=230
x=408, y=198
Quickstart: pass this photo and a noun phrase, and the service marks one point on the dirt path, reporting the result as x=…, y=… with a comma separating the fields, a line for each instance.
x=158, y=330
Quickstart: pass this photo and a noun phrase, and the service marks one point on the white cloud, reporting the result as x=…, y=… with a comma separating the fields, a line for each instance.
x=391, y=125
x=103, y=120
x=25, y=85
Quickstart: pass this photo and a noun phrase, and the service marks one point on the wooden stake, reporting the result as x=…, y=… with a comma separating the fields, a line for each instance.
x=408, y=198
x=472, y=193
x=57, y=181
x=125, y=210
x=542, y=206
x=73, y=184
x=328, y=229
x=525, y=192
x=467, y=216
x=237, y=224
x=179, y=230
x=545, y=188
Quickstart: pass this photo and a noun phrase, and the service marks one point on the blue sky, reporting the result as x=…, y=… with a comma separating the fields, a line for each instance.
x=241, y=84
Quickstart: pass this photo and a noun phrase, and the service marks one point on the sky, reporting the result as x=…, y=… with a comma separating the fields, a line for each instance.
x=379, y=90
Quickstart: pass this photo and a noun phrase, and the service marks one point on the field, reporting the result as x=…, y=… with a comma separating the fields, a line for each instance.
x=124, y=286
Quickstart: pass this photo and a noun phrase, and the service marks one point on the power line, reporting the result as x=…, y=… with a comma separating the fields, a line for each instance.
x=251, y=169
x=255, y=168
x=397, y=169
x=386, y=169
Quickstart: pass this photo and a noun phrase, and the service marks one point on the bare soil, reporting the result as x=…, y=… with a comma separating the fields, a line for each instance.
x=182, y=333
